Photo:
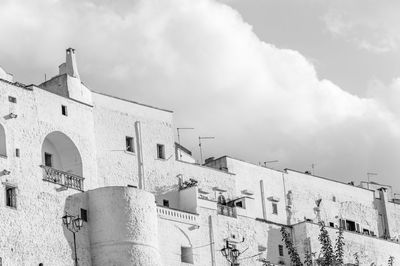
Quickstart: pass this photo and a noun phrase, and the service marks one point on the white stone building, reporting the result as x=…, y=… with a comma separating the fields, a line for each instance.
x=113, y=162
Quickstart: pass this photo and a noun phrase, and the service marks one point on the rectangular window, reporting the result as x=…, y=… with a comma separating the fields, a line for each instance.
x=12, y=99
x=11, y=197
x=16, y=152
x=350, y=226
x=64, y=110
x=274, y=208
x=239, y=204
x=166, y=203
x=358, y=227
x=48, y=159
x=160, y=151
x=187, y=255
x=129, y=144
x=84, y=214
x=280, y=249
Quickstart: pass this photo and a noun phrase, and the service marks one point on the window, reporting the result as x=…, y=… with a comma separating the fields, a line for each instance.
x=48, y=159
x=187, y=255
x=334, y=198
x=274, y=208
x=160, y=151
x=350, y=226
x=16, y=152
x=280, y=249
x=129, y=144
x=12, y=99
x=331, y=224
x=84, y=214
x=64, y=110
x=239, y=204
x=358, y=227
x=342, y=224
x=166, y=203
x=11, y=197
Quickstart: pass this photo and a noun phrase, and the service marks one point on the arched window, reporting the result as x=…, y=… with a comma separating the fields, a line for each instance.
x=59, y=152
x=3, y=149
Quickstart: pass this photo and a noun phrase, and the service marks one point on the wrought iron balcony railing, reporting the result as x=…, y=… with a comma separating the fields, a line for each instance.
x=226, y=210
x=62, y=178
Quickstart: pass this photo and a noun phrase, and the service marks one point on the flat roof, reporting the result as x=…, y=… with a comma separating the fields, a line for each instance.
x=328, y=179
x=130, y=101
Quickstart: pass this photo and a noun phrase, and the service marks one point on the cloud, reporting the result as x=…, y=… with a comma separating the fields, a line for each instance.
x=369, y=25
x=202, y=60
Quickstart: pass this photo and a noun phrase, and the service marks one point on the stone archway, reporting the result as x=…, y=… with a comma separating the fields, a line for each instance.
x=60, y=152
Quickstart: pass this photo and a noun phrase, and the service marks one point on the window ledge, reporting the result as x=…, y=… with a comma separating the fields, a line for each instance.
x=3, y=156
x=130, y=152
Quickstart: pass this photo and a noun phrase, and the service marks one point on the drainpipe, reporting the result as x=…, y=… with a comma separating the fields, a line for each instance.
x=384, y=201
x=138, y=129
x=263, y=199
x=212, y=240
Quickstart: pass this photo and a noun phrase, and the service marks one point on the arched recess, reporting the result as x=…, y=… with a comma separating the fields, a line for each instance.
x=60, y=152
x=3, y=147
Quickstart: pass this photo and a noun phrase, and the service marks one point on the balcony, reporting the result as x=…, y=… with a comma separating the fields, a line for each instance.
x=176, y=215
x=65, y=179
x=226, y=210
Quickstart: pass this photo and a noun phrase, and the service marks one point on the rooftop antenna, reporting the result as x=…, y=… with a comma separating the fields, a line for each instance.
x=369, y=177
x=201, y=152
x=179, y=136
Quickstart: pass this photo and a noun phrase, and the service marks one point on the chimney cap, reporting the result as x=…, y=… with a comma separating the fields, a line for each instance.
x=70, y=49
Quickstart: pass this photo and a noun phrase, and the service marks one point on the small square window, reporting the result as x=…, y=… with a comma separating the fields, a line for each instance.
x=274, y=208
x=12, y=99
x=48, y=159
x=129, y=144
x=84, y=214
x=160, y=151
x=331, y=224
x=64, y=110
x=187, y=255
x=166, y=203
x=11, y=197
x=280, y=249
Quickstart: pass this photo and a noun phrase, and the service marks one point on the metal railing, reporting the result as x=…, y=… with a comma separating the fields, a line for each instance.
x=62, y=178
x=226, y=210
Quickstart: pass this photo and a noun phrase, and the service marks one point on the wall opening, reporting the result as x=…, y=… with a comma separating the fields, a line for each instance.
x=59, y=152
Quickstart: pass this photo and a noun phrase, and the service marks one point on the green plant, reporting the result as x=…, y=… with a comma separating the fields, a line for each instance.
x=339, y=247
x=356, y=258
x=328, y=256
x=391, y=261
x=294, y=256
x=308, y=261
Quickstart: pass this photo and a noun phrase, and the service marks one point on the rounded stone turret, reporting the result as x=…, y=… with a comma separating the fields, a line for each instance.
x=123, y=227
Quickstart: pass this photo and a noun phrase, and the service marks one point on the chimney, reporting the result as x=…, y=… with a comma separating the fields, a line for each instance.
x=69, y=67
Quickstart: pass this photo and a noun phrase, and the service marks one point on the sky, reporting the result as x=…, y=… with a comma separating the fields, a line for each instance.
x=306, y=82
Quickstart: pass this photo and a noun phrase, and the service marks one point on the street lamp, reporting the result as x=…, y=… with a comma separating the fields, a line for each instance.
x=73, y=224
x=231, y=253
